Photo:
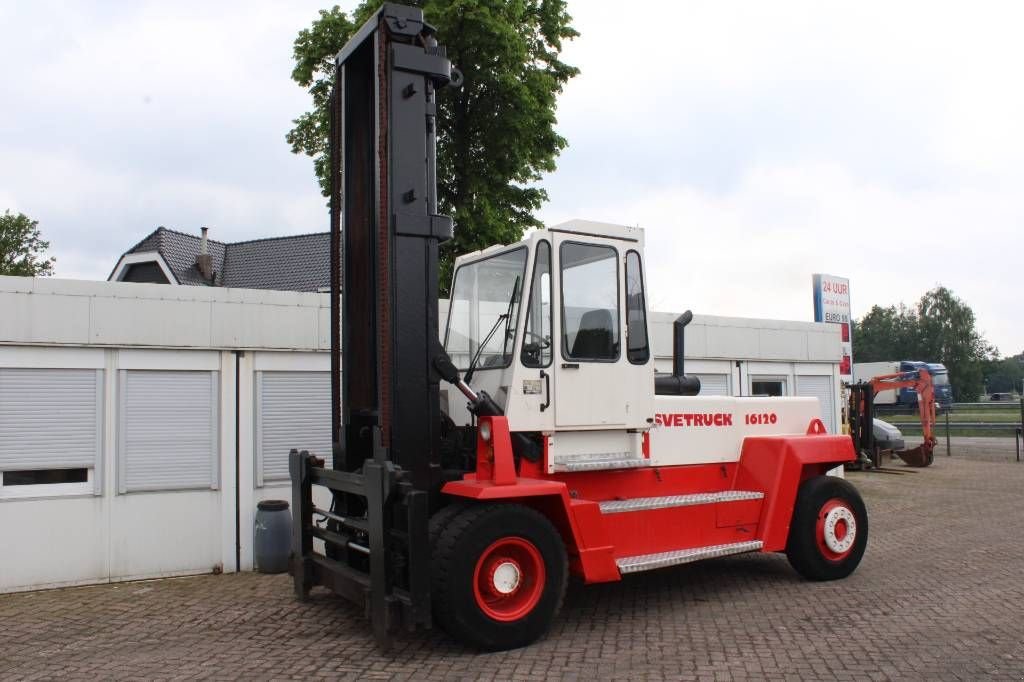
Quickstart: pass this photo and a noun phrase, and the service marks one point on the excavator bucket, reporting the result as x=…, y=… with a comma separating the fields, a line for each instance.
x=921, y=456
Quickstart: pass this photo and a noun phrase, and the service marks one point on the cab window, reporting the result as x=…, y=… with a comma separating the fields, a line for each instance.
x=637, y=348
x=484, y=310
x=537, y=336
x=590, y=302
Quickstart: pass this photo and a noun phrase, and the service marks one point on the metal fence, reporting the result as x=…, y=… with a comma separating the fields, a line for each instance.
x=996, y=419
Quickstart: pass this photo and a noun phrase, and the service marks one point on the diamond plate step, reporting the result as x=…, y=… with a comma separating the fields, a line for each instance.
x=642, y=503
x=647, y=562
x=598, y=464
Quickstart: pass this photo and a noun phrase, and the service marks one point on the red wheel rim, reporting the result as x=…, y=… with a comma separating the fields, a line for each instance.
x=509, y=579
x=836, y=530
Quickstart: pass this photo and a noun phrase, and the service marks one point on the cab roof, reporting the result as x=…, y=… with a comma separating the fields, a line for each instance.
x=587, y=228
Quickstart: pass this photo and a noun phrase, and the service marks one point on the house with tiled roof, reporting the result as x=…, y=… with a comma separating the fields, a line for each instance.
x=292, y=263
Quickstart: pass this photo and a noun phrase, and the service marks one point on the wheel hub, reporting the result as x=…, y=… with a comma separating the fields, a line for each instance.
x=840, y=529
x=509, y=579
x=506, y=577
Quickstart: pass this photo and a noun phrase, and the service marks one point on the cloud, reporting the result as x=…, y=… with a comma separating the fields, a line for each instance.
x=122, y=118
x=757, y=143
x=752, y=251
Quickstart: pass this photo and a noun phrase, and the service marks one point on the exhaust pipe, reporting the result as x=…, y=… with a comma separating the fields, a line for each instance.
x=678, y=383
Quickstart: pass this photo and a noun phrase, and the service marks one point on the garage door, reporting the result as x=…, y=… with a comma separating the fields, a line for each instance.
x=714, y=384
x=293, y=410
x=820, y=387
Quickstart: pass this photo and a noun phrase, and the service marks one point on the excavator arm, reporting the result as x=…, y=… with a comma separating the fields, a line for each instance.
x=921, y=381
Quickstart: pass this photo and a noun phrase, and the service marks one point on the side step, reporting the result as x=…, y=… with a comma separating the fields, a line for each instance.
x=647, y=562
x=615, y=460
x=642, y=503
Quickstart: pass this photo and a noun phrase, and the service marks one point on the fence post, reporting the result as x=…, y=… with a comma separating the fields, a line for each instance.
x=1019, y=437
x=949, y=452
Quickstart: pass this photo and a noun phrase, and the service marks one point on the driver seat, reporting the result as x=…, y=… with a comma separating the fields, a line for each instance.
x=595, y=338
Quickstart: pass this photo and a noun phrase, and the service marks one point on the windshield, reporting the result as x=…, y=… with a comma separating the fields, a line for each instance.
x=940, y=379
x=485, y=303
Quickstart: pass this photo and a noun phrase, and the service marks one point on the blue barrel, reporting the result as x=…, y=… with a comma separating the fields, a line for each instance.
x=272, y=539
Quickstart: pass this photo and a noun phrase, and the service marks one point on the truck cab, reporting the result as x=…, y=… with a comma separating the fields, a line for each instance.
x=943, y=389
x=554, y=329
x=540, y=323
x=940, y=380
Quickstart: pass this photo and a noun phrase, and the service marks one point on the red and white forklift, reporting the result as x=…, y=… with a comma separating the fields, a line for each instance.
x=470, y=478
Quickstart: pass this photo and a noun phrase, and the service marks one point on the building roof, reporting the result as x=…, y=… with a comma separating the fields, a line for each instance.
x=292, y=263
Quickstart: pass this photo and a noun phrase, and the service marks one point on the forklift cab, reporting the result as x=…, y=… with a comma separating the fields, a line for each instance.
x=554, y=329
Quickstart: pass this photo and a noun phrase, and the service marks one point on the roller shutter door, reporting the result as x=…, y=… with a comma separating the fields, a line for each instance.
x=819, y=387
x=168, y=430
x=714, y=384
x=51, y=419
x=293, y=410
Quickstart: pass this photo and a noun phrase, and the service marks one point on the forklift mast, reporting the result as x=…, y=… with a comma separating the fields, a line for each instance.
x=385, y=414
x=385, y=233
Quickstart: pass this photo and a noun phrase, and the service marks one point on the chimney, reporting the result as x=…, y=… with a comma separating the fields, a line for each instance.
x=204, y=261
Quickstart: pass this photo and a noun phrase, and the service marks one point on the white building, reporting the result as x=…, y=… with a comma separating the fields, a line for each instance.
x=140, y=424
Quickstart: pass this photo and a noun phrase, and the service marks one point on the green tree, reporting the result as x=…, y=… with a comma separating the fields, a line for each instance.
x=1003, y=375
x=22, y=249
x=940, y=328
x=947, y=330
x=886, y=334
x=496, y=133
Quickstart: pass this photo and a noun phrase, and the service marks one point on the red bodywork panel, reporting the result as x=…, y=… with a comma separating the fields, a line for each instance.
x=773, y=465
x=777, y=465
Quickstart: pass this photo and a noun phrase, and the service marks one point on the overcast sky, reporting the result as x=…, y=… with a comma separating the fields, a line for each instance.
x=757, y=143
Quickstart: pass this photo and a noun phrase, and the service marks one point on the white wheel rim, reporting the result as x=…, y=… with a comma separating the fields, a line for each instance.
x=506, y=577
x=833, y=541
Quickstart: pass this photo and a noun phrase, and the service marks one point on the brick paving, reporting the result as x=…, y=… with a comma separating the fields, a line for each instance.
x=940, y=595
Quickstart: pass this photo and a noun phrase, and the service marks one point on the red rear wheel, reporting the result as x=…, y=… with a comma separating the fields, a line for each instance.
x=509, y=579
x=829, y=529
x=836, y=529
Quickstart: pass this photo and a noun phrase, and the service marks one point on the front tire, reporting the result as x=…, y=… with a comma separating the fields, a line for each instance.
x=829, y=529
x=499, y=574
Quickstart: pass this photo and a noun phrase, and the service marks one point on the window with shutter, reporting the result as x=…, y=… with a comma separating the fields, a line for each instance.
x=714, y=384
x=293, y=410
x=819, y=387
x=167, y=430
x=51, y=430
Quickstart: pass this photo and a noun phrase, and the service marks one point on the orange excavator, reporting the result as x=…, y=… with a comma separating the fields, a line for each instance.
x=861, y=416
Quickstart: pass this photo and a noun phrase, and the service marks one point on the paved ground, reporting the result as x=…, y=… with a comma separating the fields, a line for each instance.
x=996, y=449
x=940, y=595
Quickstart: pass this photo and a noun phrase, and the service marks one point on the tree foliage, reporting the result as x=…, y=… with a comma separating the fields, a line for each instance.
x=22, y=249
x=886, y=334
x=496, y=133
x=1004, y=375
x=940, y=328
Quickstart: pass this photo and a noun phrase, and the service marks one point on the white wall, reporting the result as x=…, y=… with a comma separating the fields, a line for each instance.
x=125, y=314
x=75, y=534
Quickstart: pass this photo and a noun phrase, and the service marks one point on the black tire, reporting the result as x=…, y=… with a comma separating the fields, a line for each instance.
x=441, y=518
x=481, y=539
x=808, y=549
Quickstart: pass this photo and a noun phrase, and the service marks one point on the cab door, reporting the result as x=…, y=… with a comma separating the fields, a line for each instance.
x=590, y=367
